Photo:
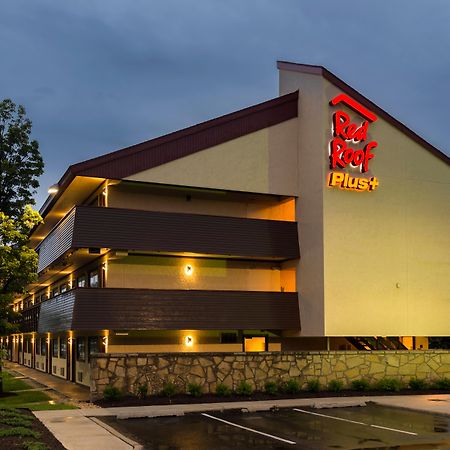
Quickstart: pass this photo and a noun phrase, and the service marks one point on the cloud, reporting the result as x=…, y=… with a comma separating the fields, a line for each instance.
x=98, y=75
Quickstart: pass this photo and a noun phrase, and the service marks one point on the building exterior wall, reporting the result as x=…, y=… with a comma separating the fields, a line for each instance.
x=383, y=255
x=194, y=201
x=208, y=274
x=241, y=164
x=128, y=371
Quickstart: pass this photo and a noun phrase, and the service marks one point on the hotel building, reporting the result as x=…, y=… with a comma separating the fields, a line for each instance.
x=314, y=220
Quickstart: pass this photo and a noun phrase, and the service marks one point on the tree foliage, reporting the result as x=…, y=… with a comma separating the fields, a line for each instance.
x=20, y=161
x=18, y=262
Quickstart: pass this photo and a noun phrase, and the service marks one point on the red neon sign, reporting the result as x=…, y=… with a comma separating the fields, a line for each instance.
x=346, y=132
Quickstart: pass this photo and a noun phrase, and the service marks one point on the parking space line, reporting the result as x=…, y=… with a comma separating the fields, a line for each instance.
x=354, y=421
x=250, y=429
x=394, y=429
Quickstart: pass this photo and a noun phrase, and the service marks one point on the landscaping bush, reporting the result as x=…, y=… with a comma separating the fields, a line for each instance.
x=244, y=388
x=30, y=445
x=271, y=388
x=222, y=390
x=169, y=389
x=194, y=389
x=389, y=384
x=417, y=384
x=291, y=386
x=19, y=431
x=111, y=393
x=360, y=385
x=313, y=385
x=442, y=384
x=142, y=390
x=335, y=386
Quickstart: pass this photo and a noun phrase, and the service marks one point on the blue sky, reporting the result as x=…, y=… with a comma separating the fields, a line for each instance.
x=96, y=76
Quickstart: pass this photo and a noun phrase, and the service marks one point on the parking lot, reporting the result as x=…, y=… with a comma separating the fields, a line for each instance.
x=369, y=427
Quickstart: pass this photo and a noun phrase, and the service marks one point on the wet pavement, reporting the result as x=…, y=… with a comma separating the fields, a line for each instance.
x=369, y=427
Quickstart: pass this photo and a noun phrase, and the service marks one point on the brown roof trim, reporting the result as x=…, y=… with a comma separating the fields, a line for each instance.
x=320, y=70
x=130, y=160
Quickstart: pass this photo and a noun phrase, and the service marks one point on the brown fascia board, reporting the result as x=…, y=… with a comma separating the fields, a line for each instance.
x=320, y=70
x=146, y=155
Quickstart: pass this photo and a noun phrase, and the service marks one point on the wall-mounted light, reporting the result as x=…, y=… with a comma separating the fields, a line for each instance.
x=53, y=189
x=188, y=341
x=188, y=270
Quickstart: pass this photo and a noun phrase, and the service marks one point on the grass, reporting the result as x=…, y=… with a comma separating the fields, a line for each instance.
x=12, y=384
x=34, y=400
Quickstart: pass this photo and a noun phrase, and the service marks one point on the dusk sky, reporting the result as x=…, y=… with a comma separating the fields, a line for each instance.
x=96, y=76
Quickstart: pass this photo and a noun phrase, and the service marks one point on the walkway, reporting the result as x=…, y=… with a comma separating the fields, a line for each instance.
x=65, y=388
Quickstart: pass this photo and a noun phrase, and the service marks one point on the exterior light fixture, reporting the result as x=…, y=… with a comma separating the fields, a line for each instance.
x=188, y=341
x=188, y=270
x=53, y=189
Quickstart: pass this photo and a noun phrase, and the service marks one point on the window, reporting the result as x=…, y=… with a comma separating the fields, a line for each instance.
x=55, y=348
x=38, y=346
x=93, y=345
x=81, y=349
x=63, y=288
x=43, y=347
x=94, y=279
x=43, y=297
x=55, y=292
x=228, y=338
x=62, y=348
x=82, y=281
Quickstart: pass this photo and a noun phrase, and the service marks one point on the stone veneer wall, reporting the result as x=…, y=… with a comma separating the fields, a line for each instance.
x=127, y=371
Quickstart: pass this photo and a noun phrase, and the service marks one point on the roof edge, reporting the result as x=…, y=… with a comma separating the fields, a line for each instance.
x=332, y=78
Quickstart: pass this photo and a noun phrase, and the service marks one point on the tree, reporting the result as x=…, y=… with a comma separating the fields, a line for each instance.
x=20, y=160
x=18, y=264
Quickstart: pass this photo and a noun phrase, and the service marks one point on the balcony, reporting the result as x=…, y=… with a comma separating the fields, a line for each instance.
x=169, y=233
x=147, y=309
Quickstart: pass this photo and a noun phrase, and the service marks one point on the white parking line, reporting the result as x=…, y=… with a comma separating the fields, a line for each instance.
x=354, y=421
x=249, y=429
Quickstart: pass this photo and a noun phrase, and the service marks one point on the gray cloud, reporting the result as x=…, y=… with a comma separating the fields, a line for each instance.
x=98, y=75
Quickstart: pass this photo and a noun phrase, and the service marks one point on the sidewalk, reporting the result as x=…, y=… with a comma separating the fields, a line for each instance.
x=65, y=388
x=79, y=429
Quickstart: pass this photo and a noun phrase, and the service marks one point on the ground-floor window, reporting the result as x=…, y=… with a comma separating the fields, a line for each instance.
x=81, y=349
x=62, y=348
x=55, y=348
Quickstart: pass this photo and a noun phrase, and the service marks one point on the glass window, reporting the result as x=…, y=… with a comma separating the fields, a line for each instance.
x=63, y=288
x=93, y=345
x=38, y=346
x=82, y=281
x=94, y=279
x=43, y=346
x=63, y=347
x=55, y=292
x=81, y=349
x=55, y=348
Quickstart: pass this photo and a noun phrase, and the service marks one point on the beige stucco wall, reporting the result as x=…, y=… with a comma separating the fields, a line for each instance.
x=310, y=138
x=241, y=164
x=154, y=272
x=383, y=258
x=219, y=203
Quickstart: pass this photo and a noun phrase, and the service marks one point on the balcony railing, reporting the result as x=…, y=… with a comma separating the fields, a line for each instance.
x=170, y=233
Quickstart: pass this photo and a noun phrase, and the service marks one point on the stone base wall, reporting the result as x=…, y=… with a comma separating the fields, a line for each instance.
x=128, y=371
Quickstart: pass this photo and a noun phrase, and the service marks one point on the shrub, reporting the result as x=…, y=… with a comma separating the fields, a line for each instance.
x=19, y=431
x=417, y=384
x=142, y=390
x=244, y=388
x=313, y=385
x=442, y=384
x=335, y=385
x=169, y=389
x=194, y=389
x=271, y=388
x=111, y=393
x=360, y=385
x=291, y=386
x=17, y=421
x=222, y=390
x=389, y=384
